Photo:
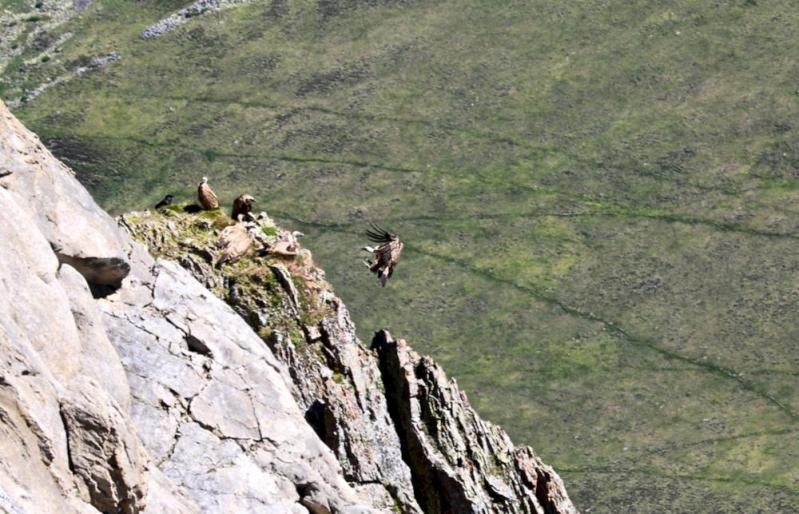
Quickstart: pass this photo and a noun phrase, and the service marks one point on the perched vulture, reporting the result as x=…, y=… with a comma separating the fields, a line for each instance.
x=386, y=255
x=242, y=205
x=163, y=203
x=233, y=243
x=206, y=196
x=287, y=244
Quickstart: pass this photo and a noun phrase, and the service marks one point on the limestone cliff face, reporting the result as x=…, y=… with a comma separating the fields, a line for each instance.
x=139, y=378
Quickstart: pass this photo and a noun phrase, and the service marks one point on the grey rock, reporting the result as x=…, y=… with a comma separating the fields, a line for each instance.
x=284, y=277
x=227, y=410
x=81, y=233
x=164, y=497
x=99, y=360
x=104, y=451
x=185, y=14
x=365, y=409
x=34, y=306
x=334, y=378
x=100, y=271
x=459, y=462
x=221, y=423
x=144, y=357
x=71, y=443
x=41, y=349
x=157, y=426
x=68, y=441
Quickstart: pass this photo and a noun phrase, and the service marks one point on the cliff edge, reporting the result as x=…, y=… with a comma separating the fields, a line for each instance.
x=137, y=377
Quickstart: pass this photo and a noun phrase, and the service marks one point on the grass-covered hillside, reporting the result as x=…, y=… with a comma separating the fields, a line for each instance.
x=600, y=201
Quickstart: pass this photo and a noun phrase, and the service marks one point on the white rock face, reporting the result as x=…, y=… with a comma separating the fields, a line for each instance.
x=104, y=450
x=64, y=211
x=49, y=339
x=211, y=402
x=158, y=398
x=95, y=346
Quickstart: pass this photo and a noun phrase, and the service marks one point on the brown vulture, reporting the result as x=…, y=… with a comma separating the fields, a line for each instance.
x=206, y=196
x=242, y=206
x=233, y=243
x=386, y=254
x=287, y=244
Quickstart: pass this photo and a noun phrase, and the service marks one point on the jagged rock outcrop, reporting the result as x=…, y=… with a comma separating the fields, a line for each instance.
x=132, y=383
x=104, y=450
x=460, y=463
x=80, y=233
x=56, y=401
x=211, y=403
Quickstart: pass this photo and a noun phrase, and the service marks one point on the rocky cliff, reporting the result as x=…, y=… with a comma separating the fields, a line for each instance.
x=140, y=378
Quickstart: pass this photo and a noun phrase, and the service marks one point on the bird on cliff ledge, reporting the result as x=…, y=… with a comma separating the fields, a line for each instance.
x=163, y=203
x=386, y=255
x=206, y=196
x=242, y=205
x=233, y=243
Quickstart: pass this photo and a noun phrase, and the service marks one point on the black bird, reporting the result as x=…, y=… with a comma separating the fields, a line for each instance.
x=163, y=203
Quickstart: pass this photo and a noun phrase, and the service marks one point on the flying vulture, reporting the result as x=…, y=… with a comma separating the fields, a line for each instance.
x=242, y=205
x=386, y=255
x=163, y=203
x=233, y=243
x=206, y=196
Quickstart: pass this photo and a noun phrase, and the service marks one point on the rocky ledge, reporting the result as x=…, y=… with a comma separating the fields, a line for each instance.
x=141, y=378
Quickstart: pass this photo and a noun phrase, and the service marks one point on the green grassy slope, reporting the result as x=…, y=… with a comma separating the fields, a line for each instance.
x=600, y=202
